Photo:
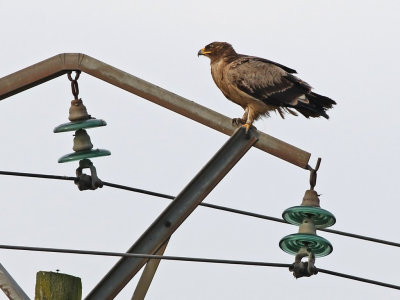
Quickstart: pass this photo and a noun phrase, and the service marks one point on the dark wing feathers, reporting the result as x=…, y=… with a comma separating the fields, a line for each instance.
x=273, y=84
x=266, y=81
x=289, y=70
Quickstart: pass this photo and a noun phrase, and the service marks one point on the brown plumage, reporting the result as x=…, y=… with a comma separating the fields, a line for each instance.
x=259, y=85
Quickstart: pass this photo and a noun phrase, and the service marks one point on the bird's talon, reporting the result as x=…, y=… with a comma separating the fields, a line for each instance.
x=237, y=122
x=247, y=126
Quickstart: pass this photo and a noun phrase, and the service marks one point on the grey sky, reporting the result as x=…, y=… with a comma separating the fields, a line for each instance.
x=347, y=50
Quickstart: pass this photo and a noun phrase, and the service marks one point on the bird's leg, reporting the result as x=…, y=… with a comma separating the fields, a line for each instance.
x=241, y=121
x=249, y=120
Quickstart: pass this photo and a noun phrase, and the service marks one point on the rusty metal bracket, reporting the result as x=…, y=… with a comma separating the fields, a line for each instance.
x=303, y=269
x=84, y=181
x=313, y=173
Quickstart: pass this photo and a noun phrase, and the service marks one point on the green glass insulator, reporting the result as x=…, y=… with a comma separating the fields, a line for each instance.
x=317, y=245
x=73, y=126
x=83, y=154
x=320, y=217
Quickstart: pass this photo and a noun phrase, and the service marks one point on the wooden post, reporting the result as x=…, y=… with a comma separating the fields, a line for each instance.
x=57, y=286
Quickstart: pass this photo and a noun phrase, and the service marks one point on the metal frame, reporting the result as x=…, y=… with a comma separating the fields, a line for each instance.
x=174, y=215
x=62, y=63
x=148, y=274
x=202, y=184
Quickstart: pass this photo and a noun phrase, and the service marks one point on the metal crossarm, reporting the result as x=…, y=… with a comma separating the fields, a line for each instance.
x=63, y=63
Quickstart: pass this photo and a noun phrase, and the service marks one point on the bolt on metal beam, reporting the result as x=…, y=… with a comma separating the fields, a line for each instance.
x=62, y=63
x=174, y=215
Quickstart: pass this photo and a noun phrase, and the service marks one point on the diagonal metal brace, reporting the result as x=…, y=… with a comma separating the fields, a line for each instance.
x=174, y=215
x=10, y=287
x=148, y=275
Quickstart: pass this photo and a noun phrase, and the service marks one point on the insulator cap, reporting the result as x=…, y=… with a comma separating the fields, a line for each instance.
x=82, y=141
x=77, y=111
x=307, y=227
x=310, y=198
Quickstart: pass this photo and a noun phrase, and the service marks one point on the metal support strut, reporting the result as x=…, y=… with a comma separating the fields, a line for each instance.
x=174, y=215
x=10, y=287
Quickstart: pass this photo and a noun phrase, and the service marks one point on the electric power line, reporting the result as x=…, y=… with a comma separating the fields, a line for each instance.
x=149, y=256
x=192, y=259
x=37, y=175
x=213, y=206
x=388, y=285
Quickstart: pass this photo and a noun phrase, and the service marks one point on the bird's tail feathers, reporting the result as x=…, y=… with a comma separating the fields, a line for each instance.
x=322, y=100
x=316, y=107
x=283, y=110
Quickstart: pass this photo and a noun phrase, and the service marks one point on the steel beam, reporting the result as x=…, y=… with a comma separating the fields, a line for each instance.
x=174, y=215
x=148, y=274
x=62, y=63
x=10, y=287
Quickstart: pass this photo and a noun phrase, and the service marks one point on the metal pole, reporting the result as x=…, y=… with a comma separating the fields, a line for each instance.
x=10, y=287
x=62, y=63
x=174, y=215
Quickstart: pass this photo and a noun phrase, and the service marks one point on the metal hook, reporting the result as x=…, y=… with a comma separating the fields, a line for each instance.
x=77, y=73
x=74, y=83
x=313, y=173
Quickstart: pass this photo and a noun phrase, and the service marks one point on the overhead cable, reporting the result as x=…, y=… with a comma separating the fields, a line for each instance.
x=213, y=206
x=193, y=259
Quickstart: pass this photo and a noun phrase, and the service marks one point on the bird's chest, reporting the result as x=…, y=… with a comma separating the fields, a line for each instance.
x=218, y=72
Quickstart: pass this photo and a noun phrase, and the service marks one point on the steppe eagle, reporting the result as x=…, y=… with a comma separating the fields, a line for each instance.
x=259, y=86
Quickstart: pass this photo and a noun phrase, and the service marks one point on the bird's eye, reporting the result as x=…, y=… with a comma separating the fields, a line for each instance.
x=211, y=46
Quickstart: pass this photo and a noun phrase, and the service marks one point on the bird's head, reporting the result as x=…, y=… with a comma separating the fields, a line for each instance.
x=216, y=50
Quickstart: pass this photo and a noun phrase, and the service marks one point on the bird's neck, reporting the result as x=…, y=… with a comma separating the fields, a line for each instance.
x=228, y=56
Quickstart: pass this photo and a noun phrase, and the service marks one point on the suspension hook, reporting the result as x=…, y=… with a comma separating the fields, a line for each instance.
x=74, y=83
x=77, y=111
x=313, y=173
x=303, y=269
x=84, y=181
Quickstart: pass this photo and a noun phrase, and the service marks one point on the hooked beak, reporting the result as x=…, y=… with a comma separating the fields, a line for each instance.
x=203, y=52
